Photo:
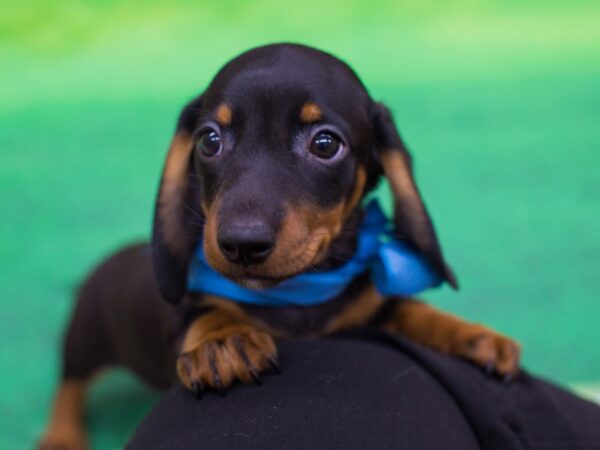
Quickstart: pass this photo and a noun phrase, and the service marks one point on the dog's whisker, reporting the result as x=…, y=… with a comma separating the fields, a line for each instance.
x=193, y=211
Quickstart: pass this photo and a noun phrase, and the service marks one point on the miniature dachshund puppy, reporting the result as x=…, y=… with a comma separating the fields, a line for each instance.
x=266, y=172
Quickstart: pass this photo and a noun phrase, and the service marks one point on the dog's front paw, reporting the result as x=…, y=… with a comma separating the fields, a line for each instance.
x=235, y=352
x=486, y=348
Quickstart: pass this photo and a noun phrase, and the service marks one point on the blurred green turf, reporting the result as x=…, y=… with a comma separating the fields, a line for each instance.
x=499, y=102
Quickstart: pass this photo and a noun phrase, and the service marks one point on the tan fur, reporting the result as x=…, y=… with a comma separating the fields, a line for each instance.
x=224, y=115
x=357, y=194
x=310, y=113
x=172, y=189
x=358, y=312
x=235, y=312
x=222, y=346
x=303, y=240
x=304, y=237
x=397, y=171
x=66, y=430
x=449, y=334
x=210, y=244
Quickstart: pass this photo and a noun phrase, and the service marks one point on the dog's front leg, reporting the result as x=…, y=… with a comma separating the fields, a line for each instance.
x=452, y=335
x=219, y=348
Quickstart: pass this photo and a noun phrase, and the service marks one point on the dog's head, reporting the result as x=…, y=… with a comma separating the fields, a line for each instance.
x=268, y=166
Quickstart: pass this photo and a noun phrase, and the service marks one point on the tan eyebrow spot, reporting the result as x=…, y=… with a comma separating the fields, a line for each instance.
x=224, y=114
x=310, y=113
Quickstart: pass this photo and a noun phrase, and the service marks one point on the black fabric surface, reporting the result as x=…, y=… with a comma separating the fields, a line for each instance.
x=370, y=390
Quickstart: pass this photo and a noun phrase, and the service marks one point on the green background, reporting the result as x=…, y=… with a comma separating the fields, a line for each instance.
x=499, y=102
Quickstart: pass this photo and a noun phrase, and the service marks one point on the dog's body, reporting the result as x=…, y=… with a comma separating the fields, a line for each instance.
x=267, y=170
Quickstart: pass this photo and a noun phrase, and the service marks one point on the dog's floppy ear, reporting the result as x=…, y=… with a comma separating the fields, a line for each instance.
x=178, y=218
x=411, y=219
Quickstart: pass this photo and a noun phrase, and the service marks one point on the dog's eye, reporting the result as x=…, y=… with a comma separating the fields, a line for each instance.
x=326, y=145
x=209, y=143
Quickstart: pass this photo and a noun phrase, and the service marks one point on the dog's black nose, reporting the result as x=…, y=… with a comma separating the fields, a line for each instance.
x=246, y=243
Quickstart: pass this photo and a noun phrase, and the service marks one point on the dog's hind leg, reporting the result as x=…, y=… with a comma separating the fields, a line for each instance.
x=87, y=350
x=66, y=430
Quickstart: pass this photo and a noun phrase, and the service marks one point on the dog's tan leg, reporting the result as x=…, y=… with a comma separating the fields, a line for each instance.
x=449, y=334
x=66, y=429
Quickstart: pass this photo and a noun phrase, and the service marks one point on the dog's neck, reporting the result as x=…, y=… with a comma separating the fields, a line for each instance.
x=343, y=247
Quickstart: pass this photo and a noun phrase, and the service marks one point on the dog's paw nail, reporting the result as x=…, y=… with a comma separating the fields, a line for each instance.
x=255, y=377
x=218, y=385
x=508, y=378
x=489, y=368
x=274, y=365
x=197, y=389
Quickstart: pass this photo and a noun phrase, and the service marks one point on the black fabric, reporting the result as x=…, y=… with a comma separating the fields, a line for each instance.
x=370, y=390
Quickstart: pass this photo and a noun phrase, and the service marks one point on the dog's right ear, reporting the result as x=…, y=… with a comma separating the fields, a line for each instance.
x=411, y=219
x=178, y=219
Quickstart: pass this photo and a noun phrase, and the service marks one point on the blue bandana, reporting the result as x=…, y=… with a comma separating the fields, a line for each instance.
x=395, y=268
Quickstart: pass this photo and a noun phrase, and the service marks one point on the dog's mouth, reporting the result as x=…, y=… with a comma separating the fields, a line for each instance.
x=301, y=244
x=270, y=273
x=252, y=281
x=266, y=275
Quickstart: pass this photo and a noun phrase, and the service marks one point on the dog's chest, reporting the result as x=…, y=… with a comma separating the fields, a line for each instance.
x=311, y=320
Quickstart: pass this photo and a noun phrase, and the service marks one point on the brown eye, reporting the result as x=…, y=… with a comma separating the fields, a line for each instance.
x=326, y=145
x=209, y=143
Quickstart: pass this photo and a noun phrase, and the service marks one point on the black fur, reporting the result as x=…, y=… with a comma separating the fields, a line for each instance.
x=261, y=169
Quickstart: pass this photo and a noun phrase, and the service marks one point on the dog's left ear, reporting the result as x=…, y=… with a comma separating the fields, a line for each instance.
x=411, y=219
x=178, y=218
